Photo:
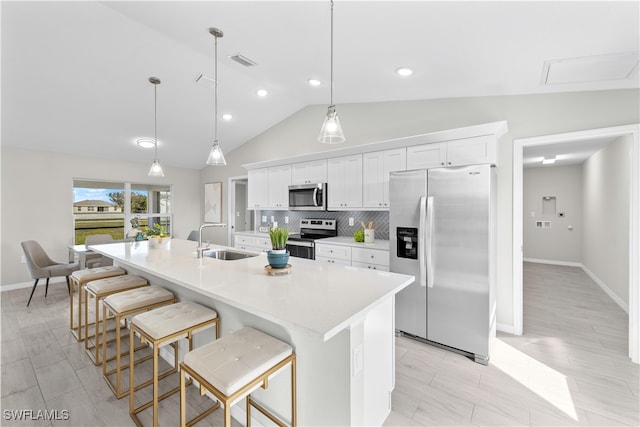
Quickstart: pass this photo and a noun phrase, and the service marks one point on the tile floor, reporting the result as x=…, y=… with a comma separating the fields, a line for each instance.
x=569, y=367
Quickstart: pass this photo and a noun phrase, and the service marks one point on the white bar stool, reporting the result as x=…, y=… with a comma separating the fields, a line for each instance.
x=232, y=367
x=98, y=290
x=123, y=305
x=80, y=278
x=159, y=327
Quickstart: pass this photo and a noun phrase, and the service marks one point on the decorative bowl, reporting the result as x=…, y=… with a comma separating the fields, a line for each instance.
x=277, y=259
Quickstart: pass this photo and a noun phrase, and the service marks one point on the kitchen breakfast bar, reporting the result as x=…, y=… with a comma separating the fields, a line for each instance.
x=338, y=319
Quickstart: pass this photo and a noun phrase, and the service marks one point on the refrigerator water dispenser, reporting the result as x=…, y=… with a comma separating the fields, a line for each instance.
x=407, y=242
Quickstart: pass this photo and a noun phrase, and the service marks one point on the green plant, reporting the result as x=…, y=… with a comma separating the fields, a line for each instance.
x=156, y=231
x=279, y=237
x=358, y=236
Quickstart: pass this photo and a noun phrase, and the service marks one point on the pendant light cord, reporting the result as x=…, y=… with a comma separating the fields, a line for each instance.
x=155, y=119
x=331, y=89
x=215, y=97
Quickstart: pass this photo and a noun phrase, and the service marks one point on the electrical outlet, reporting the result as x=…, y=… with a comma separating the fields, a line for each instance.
x=273, y=218
x=351, y=222
x=286, y=220
x=264, y=218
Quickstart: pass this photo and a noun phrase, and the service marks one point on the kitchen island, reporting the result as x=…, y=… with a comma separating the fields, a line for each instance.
x=339, y=319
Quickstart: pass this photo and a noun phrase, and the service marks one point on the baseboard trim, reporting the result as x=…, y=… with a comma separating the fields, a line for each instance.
x=553, y=262
x=503, y=327
x=14, y=286
x=23, y=285
x=606, y=289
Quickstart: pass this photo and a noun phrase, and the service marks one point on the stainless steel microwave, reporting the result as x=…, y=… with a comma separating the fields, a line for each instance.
x=308, y=197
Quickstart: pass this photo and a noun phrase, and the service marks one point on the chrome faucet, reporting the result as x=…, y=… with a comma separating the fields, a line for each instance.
x=206, y=225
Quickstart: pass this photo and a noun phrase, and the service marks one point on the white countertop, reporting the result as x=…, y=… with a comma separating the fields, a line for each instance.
x=348, y=241
x=319, y=298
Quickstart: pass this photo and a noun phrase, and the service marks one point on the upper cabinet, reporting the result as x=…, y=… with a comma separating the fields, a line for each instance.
x=279, y=181
x=376, y=167
x=258, y=191
x=462, y=152
x=309, y=172
x=344, y=186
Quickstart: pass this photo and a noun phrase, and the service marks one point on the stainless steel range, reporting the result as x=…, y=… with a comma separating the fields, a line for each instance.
x=303, y=246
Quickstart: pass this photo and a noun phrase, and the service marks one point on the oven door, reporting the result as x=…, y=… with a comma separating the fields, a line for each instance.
x=300, y=249
x=308, y=197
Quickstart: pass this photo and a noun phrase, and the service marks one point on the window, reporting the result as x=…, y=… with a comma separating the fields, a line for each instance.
x=102, y=207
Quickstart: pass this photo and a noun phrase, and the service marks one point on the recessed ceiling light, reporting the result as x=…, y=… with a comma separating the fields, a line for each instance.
x=262, y=92
x=404, y=71
x=227, y=117
x=314, y=82
x=145, y=143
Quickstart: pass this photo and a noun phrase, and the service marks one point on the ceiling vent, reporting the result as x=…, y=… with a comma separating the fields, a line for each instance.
x=204, y=80
x=243, y=60
x=597, y=68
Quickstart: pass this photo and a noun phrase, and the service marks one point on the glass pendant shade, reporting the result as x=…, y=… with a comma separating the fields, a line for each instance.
x=331, y=131
x=216, y=158
x=156, y=169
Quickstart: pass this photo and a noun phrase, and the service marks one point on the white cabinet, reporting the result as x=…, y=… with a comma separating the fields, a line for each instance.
x=373, y=259
x=461, y=152
x=427, y=156
x=376, y=167
x=333, y=251
x=279, y=181
x=251, y=243
x=345, y=182
x=309, y=172
x=258, y=191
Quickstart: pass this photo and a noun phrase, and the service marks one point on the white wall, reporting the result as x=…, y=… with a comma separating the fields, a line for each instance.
x=606, y=216
x=558, y=243
x=527, y=116
x=37, y=198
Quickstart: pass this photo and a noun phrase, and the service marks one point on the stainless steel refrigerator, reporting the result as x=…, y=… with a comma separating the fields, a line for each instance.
x=442, y=231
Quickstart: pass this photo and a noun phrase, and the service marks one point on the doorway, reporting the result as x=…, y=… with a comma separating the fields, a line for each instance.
x=634, y=221
x=239, y=217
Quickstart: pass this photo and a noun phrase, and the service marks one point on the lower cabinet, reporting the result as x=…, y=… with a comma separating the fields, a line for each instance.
x=251, y=243
x=374, y=259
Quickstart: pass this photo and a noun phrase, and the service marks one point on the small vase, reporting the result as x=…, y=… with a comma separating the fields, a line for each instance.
x=278, y=258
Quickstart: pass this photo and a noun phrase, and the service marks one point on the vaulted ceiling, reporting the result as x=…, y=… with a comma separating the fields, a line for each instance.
x=75, y=74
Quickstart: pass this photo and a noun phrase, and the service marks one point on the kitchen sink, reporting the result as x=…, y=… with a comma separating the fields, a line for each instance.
x=227, y=255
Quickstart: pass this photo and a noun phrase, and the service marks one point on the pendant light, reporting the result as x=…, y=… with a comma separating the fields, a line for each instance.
x=216, y=157
x=331, y=131
x=156, y=169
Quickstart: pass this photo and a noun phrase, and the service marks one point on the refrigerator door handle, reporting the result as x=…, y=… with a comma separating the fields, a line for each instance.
x=429, y=251
x=421, y=241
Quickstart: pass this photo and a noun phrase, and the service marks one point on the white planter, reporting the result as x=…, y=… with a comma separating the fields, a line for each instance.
x=158, y=242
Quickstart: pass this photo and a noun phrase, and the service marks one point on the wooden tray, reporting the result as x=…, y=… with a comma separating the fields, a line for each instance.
x=278, y=271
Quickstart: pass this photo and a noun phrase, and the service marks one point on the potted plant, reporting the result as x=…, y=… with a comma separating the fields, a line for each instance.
x=157, y=235
x=278, y=256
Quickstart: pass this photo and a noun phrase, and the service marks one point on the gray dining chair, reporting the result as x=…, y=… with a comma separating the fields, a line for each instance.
x=93, y=259
x=193, y=235
x=40, y=266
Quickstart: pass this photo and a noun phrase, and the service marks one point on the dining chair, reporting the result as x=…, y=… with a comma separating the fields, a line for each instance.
x=93, y=259
x=193, y=235
x=40, y=266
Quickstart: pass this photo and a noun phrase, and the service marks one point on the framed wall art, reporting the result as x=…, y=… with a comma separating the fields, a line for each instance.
x=213, y=202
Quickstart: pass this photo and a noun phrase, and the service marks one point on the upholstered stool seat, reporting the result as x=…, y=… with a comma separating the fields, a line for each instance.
x=159, y=327
x=80, y=278
x=235, y=365
x=98, y=290
x=122, y=305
